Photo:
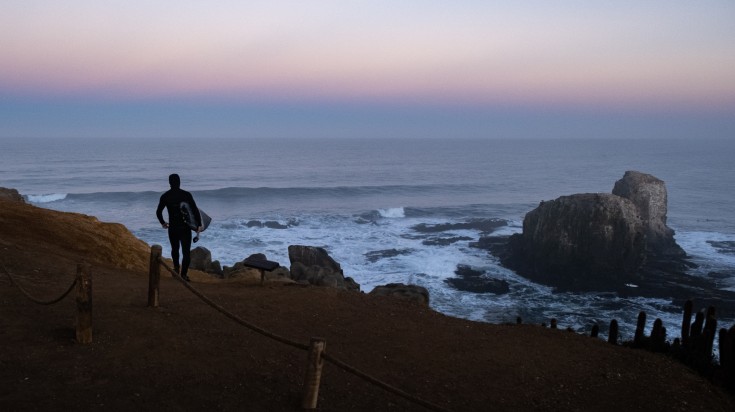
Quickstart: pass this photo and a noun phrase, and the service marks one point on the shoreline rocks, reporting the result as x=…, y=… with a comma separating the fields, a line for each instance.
x=413, y=293
x=11, y=194
x=313, y=265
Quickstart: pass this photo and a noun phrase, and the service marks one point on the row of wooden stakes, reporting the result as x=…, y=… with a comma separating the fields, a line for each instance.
x=694, y=347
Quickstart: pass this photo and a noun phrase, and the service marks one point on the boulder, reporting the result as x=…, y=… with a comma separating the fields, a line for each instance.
x=313, y=265
x=312, y=256
x=414, y=293
x=10, y=194
x=475, y=281
x=201, y=259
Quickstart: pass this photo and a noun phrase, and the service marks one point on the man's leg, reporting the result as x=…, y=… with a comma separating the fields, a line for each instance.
x=173, y=238
x=185, y=238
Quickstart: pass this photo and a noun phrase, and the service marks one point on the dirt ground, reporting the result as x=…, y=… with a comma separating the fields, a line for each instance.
x=184, y=355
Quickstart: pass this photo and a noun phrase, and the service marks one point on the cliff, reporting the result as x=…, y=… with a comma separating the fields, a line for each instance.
x=184, y=355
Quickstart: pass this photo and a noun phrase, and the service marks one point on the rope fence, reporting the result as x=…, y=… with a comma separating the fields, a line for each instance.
x=315, y=348
x=30, y=297
x=83, y=284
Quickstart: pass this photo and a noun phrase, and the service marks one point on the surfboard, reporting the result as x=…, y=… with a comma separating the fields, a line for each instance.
x=188, y=215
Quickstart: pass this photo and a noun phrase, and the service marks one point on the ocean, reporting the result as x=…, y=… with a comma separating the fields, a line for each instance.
x=367, y=202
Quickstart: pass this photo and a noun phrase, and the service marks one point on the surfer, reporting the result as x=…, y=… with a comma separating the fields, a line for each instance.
x=179, y=232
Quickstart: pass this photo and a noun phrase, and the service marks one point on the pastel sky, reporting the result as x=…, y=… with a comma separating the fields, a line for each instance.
x=378, y=68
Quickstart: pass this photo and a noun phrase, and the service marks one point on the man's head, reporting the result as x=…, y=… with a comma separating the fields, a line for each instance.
x=174, y=181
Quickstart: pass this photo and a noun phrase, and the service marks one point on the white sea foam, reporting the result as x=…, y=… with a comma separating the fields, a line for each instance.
x=46, y=198
x=709, y=258
x=698, y=244
x=393, y=212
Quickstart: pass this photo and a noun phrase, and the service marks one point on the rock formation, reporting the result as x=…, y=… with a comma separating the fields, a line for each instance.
x=412, y=293
x=84, y=237
x=10, y=194
x=475, y=281
x=201, y=259
x=649, y=195
x=314, y=265
x=594, y=240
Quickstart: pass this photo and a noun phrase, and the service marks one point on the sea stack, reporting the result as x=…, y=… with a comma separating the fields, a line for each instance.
x=595, y=240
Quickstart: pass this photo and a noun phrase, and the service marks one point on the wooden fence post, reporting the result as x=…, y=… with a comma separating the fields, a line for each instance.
x=595, y=330
x=154, y=275
x=313, y=373
x=84, y=304
x=686, y=323
x=613, y=333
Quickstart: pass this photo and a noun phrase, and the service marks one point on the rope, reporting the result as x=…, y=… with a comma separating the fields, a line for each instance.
x=327, y=357
x=426, y=404
x=30, y=297
x=232, y=315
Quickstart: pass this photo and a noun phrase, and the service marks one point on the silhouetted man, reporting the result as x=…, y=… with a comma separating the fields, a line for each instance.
x=179, y=232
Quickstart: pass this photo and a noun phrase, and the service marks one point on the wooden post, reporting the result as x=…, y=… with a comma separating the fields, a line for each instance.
x=84, y=304
x=595, y=330
x=313, y=373
x=154, y=275
x=686, y=323
x=638, y=338
x=710, y=327
x=658, y=336
x=613, y=332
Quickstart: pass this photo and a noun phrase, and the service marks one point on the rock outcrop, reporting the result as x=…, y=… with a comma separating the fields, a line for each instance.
x=201, y=259
x=10, y=194
x=83, y=237
x=649, y=195
x=475, y=281
x=413, y=293
x=313, y=265
x=242, y=271
x=594, y=240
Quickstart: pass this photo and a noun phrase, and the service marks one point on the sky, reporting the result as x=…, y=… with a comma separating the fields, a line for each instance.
x=479, y=69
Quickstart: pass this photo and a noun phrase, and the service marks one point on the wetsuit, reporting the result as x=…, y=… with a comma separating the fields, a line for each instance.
x=179, y=233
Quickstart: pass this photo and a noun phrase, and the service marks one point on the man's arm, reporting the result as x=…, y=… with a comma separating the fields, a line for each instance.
x=159, y=212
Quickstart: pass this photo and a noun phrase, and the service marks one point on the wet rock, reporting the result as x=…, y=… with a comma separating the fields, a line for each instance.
x=376, y=255
x=272, y=224
x=444, y=241
x=483, y=225
x=254, y=223
x=726, y=247
x=475, y=281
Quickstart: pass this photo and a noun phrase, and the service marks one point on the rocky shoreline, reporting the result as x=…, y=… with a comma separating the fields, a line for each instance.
x=185, y=355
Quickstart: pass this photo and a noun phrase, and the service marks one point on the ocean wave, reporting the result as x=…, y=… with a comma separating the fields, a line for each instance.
x=46, y=198
x=392, y=213
x=228, y=193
